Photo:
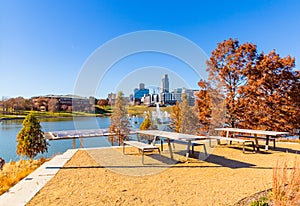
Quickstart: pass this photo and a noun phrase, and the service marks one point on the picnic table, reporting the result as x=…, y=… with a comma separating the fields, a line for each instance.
x=189, y=139
x=265, y=134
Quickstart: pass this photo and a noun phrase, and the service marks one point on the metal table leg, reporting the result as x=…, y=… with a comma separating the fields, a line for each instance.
x=188, y=150
x=170, y=148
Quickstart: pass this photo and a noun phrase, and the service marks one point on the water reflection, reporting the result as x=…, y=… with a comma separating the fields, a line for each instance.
x=10, y=128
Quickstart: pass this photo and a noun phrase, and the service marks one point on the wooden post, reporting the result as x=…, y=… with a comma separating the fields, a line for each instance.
x=74, y=143
x=80, y=142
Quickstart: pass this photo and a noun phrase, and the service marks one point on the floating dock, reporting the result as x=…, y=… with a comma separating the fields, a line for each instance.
x=75, y=134
x=78, y=134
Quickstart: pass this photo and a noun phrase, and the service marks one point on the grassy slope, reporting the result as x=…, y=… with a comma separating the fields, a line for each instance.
x=98, y=111
x=139, y=110
x=13, y=172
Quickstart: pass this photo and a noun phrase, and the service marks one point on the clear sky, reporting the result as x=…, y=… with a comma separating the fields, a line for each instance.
x=44, y=44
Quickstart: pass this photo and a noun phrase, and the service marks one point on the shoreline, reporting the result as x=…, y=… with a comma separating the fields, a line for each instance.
x=54, y=117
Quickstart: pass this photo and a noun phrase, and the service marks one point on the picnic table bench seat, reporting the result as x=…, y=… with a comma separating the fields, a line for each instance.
x=243, y=141
x=193, y=144
x=249, y=136
x=143, y=147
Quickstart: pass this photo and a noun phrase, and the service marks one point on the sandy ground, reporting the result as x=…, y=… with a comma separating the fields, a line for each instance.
x=107, y=177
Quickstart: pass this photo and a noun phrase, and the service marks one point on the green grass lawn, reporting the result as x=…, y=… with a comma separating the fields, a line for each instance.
x=139, y=110
x=99, y=111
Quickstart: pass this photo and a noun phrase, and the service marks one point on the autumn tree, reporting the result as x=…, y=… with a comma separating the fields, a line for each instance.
x=295, y=99
x=175, y=118
x=30, y=139
x=227, y=66
x=42, y=102
x=189, y=120
x=119, y=123
x=4, y=104
x=271, y=98
x=19, y=104
x=53, y=105
x=16, y=104
x=102, y=102
x=261, y=90
x=64, y=107
x=203, y=105
x=210, y=104
x=146, y=124
x=184, y=118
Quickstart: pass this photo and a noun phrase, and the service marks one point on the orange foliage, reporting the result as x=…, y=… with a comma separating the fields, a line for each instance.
x=261, y=91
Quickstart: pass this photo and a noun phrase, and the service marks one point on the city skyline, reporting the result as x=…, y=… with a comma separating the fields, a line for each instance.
x=44, y=45
x=153, y=89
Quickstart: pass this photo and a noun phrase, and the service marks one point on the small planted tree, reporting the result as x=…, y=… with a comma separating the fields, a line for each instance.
x=119, y=123
x=146, y=124
x=184, y=118
x=31, y=140
x=175, y=123
x=188, y=117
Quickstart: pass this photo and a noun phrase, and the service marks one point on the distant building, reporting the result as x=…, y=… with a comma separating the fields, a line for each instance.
x=111, y=98
x=167, y=98
x=127, y=100
x=190, y=95
x=139, y=93
x=150, y=99
x=141, y=86
x=131, y=97
x=176, y=95
x=165, y=84
x=64, y=102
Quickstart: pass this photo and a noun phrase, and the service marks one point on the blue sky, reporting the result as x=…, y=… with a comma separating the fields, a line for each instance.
x=44, y=44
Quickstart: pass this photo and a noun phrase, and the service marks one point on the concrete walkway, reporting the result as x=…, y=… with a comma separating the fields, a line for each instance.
x=21, y=193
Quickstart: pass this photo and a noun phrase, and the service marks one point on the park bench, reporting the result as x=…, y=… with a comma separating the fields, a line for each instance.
x=243, y=141
x=143, y=147
x=251, y=137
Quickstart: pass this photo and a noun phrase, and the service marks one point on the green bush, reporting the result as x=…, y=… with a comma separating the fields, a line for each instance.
x=261, y=202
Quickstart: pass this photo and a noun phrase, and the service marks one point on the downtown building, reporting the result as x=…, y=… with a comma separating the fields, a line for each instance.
x=165, y=97
x=139, y=93
x=170, y=98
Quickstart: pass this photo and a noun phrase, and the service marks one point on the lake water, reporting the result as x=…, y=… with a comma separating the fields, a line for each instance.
x=10, y=129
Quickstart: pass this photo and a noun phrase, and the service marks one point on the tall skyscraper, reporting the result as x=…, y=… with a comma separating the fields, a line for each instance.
x=139, y=93
x=165, y=84
x=141, y=86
